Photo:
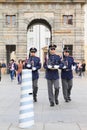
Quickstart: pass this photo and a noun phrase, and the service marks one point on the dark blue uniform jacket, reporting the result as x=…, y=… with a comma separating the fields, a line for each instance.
x=37, y=64
x=52, y=74
x=67, y=73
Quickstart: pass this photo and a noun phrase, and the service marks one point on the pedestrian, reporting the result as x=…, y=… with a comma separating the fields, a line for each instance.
x=19, y=71
x=67, y=75
x=76, y=68
x=12, y=68
x=34, y=63
x=15, y=71
x=83, y=67
x=0, y=70
x=3, y=69
x=51, y=65
x=24, y=63
x=80, y=68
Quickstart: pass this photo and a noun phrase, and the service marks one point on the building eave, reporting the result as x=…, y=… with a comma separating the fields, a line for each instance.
x=44, y=1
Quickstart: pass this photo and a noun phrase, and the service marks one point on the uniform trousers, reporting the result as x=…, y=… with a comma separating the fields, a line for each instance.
x=51, y=94
x=35, y=87
x=66, y=88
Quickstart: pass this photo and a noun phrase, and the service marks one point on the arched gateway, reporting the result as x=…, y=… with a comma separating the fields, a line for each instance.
x=64, y=20
x=39, y=36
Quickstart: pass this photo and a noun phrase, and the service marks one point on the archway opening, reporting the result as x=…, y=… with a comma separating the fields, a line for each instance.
x=39, y=35
x=10, y=53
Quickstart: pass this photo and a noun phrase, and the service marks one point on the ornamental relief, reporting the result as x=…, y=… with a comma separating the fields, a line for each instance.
x=39, y=8
x=39, y=15
x=22, y=7
x=68, y=6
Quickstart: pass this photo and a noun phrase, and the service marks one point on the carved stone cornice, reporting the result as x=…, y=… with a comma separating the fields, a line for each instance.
x=43, y=1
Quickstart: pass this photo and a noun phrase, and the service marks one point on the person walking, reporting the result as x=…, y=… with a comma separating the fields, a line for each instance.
x=34, y=63
x=12, y=67
x=83, y=67
x=3, y=69
x=51, y=64
x=80, y=68
x=67, y=75
x=0, y=70
x=19, y=71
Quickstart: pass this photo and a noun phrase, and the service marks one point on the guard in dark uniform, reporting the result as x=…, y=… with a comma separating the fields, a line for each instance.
x=34, y=64
x=51, y=64
x=67, y=74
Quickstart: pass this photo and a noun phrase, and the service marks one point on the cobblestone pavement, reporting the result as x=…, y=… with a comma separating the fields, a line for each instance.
x=65, y=116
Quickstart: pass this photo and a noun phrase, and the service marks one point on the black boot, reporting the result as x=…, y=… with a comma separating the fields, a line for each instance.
x=35, y=99
x=69, y=98
x=56, y=96
x=35, y=94
x=51, y=104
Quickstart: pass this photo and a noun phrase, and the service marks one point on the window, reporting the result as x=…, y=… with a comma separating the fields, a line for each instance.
x=13, y=19
x=7, y=19
x=70, y=48
x=10, y=19
x=68, y=19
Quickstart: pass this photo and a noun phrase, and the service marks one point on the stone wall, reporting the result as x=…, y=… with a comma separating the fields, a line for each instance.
x=52, y=13
x=85, y=34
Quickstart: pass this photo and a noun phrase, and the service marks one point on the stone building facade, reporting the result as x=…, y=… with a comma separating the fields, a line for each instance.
x=66, y=20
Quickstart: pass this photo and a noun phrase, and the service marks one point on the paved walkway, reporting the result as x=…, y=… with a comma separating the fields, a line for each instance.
x=65, y=116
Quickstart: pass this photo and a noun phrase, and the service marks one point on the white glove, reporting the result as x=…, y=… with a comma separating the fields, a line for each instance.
x=28, y=65
x=49, y=66
x=33, y=68
x=73, y=67
x=64, y=67
x=56, y=66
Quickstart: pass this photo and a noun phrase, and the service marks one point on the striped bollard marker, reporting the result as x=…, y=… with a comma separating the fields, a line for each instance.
x=26, y=113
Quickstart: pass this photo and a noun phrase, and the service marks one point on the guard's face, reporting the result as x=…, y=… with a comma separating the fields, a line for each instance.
x=32, y=53
x=66, y=53
x=52, y=50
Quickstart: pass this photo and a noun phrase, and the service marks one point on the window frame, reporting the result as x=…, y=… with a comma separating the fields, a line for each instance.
x=9, y=20
x=68, y=20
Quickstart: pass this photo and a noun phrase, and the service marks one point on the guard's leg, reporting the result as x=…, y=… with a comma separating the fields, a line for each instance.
x=56, y=86
x=65, y=89
x=35, y=89
x=69, y=89
x=56, y=96
x=50, y=92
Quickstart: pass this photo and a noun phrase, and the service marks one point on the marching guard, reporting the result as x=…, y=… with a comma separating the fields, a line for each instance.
x=34, y=64
x=52, y=64
x=67, y=74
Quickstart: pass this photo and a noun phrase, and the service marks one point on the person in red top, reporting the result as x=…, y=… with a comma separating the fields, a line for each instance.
x=19, y=71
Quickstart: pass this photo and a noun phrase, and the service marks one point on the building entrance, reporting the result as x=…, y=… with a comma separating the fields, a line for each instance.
x=39, y=35
x=10, y=49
